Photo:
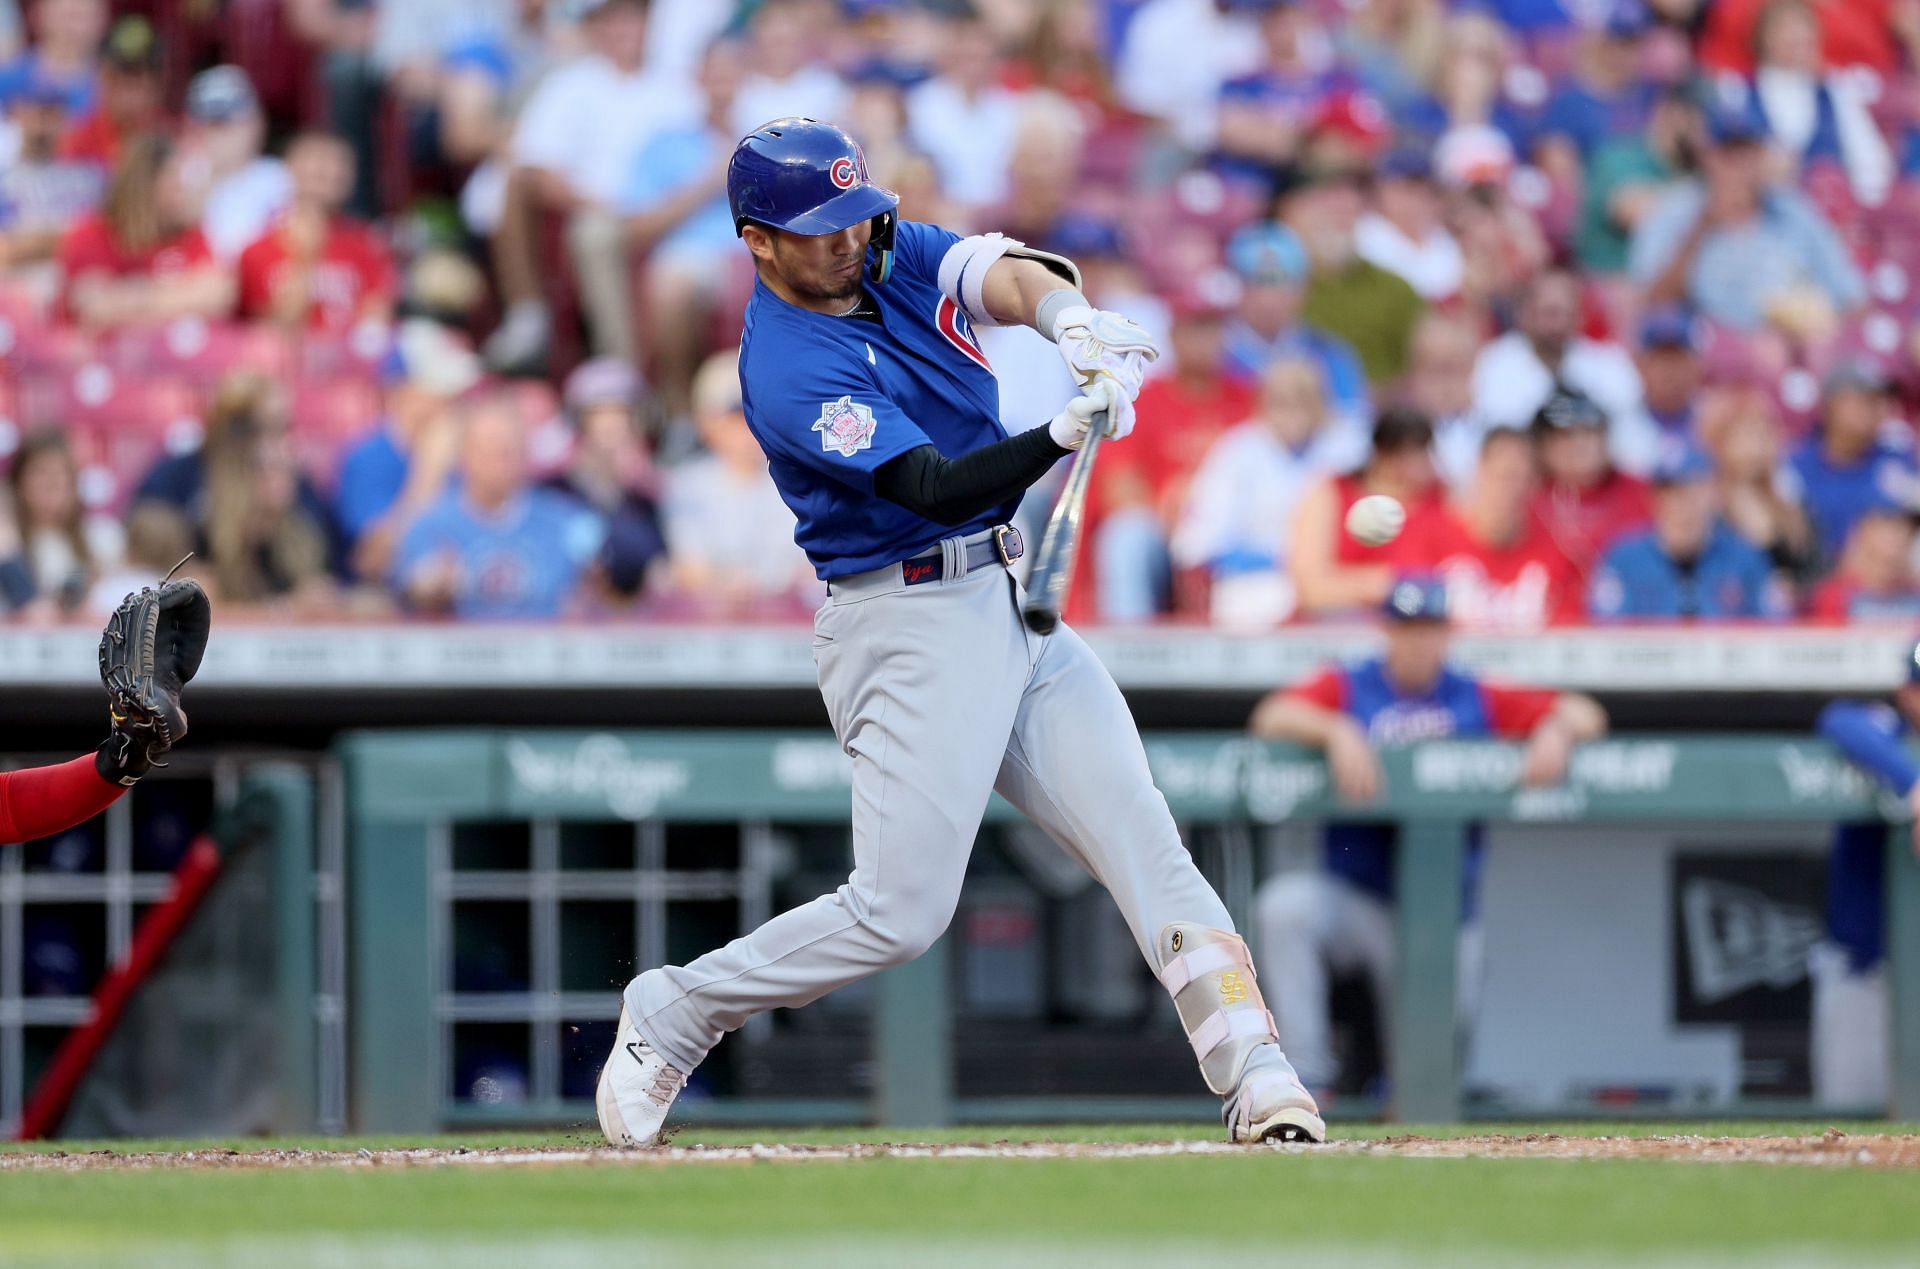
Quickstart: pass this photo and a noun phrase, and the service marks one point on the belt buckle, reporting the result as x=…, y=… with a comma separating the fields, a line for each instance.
x=1007, y=544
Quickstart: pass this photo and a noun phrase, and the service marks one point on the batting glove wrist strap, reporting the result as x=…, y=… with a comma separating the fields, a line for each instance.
x=1097, y=342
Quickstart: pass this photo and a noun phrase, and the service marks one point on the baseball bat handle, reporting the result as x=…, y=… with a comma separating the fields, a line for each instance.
x=1060, y=541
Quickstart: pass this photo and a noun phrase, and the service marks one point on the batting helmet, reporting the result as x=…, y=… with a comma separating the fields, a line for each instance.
x=810, y=178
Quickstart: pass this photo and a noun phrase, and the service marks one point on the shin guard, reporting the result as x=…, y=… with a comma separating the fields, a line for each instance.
x=1209, y=974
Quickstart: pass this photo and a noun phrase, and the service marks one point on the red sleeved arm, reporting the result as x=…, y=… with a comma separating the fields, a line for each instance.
x=1327, y=689
x=44, y=800
x=1516, y=711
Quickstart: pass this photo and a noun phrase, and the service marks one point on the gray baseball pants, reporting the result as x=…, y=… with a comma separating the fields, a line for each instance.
x=942, y=695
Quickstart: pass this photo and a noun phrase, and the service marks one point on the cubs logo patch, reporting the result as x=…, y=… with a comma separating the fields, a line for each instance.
x=844, y=172
x=845, y=427
x=954, y=327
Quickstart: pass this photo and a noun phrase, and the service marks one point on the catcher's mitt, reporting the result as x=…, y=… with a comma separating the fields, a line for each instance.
x=150, y=649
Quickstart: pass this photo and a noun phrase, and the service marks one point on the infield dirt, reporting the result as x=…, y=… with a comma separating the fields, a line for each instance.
x=1832, y=1148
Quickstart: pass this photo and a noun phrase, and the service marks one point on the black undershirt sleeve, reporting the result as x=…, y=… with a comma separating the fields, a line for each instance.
x=955, y=490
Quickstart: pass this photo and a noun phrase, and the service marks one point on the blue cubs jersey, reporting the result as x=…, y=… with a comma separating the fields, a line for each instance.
x=831, y=399
x=1457, y=706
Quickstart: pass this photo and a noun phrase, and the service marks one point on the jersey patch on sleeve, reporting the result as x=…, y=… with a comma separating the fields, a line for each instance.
x=845, y=427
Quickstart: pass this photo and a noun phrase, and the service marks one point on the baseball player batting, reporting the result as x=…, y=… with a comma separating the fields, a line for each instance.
x=878, y=413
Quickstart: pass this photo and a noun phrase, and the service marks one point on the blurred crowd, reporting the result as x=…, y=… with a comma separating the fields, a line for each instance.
x=429, y=307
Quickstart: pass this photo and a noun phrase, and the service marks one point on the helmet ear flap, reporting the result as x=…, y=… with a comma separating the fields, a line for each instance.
x=881, y=267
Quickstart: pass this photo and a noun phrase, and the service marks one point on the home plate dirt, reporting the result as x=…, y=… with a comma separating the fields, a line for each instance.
x=1832, y=1149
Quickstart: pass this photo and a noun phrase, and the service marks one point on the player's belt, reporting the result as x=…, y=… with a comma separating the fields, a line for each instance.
x=1000, y=545
x=949, y=561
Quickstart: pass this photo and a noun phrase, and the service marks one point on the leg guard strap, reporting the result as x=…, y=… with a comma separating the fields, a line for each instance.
x=1210, y=977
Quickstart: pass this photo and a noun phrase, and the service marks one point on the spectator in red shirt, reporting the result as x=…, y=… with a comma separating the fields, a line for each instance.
x=316, y=267
x=1332, y=572
x=1138, y=495
x=1875, y=579
x=131, y=99
x=141, y=257
x=1852, y=33
x=1583, y=503
x=1502, y=572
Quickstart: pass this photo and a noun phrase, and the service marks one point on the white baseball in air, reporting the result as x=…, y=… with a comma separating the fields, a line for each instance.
x=1376, y=520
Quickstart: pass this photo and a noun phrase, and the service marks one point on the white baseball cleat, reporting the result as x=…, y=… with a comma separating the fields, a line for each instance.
x=637, y=1088
x=1272, y=1105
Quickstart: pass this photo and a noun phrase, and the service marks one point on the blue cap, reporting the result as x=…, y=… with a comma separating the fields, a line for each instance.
x=1736, y=121
x=1628, y=19
x=1856, y=374
x=1407, y=163
x=1416, y=597
x=1567, y=408
x=893, y=72
x=1267, y=251
x=1682, y=464
x=1085, y=236
x=1669, y=327
x=220, y=94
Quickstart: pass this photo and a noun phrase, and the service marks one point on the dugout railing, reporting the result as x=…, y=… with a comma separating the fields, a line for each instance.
x=440, y=825
x=70, y=906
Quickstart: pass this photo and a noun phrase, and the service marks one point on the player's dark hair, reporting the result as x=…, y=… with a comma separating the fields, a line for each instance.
x=1400, y=428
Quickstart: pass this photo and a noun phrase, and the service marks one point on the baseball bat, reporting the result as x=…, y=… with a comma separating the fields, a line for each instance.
x=1060, y=540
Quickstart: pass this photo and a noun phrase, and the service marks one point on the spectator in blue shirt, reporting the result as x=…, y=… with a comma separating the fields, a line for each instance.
x=1691, y=563
x=1265, y=115
x=1671, y=376
x=612, y=472
x=1849, y=1040
x=400, y=466
x=674, y=200
x=1272, y=265
x=1743, y=249
x=1854, y=460
x=496, y=546
x=1606, y=98
x=67, y=35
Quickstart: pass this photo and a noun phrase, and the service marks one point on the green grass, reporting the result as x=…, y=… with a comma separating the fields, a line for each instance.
x=1264, y=1207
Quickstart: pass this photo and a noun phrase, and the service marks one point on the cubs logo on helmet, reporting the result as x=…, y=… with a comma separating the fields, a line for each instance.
x=807, y=177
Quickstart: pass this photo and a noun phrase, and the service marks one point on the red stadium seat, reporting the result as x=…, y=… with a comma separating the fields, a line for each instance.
x=122, y=425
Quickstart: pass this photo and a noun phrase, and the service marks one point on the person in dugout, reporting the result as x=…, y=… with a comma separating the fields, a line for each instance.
x=1848, y=968
x=1338, y=918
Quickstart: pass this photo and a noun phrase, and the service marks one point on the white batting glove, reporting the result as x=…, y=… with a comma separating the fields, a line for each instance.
x=1095, y=341
x=1070, y=427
